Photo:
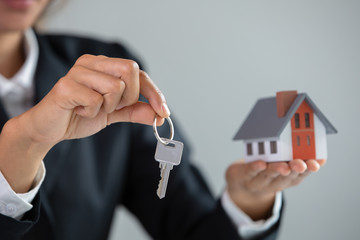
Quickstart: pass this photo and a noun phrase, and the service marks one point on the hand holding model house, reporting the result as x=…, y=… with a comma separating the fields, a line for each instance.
x=285, y=140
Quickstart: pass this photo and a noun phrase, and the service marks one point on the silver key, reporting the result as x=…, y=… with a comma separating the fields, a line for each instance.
x=167, y=156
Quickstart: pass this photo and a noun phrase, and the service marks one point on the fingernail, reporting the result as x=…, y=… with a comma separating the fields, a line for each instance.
x=165, y=109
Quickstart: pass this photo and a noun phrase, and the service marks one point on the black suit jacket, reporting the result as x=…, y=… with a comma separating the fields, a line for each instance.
x=87, y=178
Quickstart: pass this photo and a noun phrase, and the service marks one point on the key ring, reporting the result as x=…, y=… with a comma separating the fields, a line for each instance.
x=157, y=134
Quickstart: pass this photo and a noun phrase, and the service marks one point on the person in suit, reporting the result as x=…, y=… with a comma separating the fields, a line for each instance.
x=70, y=107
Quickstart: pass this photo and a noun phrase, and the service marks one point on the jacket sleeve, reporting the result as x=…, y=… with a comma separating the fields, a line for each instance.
x=15, y=229
x=188, y=211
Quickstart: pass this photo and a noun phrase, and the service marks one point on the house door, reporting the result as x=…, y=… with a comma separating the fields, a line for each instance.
x=303, y=137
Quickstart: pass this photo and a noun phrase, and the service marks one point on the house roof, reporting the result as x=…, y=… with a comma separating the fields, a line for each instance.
x=263, y=121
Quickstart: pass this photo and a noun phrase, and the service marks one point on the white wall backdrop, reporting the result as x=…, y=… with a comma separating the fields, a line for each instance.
x=213, y=59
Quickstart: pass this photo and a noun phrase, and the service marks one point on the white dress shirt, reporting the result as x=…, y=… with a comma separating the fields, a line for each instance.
x=17, y=96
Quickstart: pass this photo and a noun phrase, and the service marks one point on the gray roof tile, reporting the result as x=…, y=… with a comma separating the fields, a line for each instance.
x=263, y=121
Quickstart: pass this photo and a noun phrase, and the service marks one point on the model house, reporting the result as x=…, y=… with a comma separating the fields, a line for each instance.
x=285, y=127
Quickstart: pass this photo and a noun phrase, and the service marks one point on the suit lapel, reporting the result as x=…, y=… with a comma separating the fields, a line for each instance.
x=50, y=69
x=3, y=116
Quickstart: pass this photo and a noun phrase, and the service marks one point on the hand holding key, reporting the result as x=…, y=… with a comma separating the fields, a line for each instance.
x=96, y=92
x=168, y=153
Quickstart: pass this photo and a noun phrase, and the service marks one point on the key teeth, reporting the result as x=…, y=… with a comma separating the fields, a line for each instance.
x=164, y=177
x=158, y=192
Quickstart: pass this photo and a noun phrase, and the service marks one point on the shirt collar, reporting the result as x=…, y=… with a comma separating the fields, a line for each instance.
x=25, y=76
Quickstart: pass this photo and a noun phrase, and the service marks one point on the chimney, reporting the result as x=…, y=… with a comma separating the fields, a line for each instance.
x=284, y=100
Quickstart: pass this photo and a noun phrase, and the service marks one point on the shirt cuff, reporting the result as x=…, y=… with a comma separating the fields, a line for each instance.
x=15, y=205
x=248, y=228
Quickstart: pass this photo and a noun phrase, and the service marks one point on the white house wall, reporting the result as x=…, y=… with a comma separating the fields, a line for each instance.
x=255, y=148
x=284, y=148
x=285, y=143
x=320, y=139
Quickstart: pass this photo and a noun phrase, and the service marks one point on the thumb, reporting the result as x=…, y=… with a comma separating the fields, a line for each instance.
x=139, y=112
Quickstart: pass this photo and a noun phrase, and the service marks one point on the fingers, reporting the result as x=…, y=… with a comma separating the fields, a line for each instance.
x=111, y=88
x=312, y=165
x=123, y=69
x=298, y=165
x=245, y=171
x=139, y=112
x=275, y=176
x=282, y=182
x=120, y=81
x=280, y=167
x=299, y=169
x=266, y=178
x=72, y=95
x=150, y=91
x=142, y=112
x=321, y=162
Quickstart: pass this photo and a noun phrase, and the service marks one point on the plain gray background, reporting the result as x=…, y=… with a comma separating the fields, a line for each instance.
x=213, y=59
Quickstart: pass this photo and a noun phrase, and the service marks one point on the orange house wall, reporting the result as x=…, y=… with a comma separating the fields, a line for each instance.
x=304, y=151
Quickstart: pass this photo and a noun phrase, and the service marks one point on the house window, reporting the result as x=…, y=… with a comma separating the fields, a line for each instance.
x=297, y=120
x=273, y=147
x=298, y=140
x=308, y=140
x=307, y=120
x=249, y=149
x=261, y=148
